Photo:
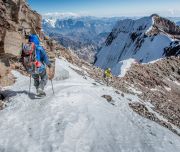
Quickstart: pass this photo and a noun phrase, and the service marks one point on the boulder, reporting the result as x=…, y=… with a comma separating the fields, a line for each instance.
x=13, y=43
x=107, y=97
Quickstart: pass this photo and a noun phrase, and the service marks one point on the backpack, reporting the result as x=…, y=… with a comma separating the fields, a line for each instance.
x=29, y=58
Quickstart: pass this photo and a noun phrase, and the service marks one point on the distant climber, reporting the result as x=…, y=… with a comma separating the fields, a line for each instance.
x=107, y=75
x=35, y=59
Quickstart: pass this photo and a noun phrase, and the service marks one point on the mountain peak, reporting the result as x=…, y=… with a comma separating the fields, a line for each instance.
x=166, y=26
x=155, y=15
x=145, y=40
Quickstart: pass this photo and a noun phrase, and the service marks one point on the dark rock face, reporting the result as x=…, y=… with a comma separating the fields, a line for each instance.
x=167, y=26
x=2, y=97
x=134, y=35
x=110, y=38
x=173, y=49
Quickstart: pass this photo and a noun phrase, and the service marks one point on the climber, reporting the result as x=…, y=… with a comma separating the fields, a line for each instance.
x=35, y=60
x=107, y=75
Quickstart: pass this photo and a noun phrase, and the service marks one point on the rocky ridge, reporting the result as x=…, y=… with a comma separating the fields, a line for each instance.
x=165, y=26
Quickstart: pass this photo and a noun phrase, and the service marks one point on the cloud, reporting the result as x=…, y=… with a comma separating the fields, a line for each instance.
x=61, y=14
x=172, y=11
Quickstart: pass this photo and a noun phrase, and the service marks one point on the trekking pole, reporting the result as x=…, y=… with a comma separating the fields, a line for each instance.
x=52, y=87
x=30, y=85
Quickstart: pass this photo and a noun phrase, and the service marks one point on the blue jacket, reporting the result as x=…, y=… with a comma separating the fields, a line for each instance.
x=41, y=54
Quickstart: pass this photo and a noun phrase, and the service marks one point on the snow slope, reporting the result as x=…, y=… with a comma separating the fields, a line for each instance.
x=131, y=39
x=77, y=119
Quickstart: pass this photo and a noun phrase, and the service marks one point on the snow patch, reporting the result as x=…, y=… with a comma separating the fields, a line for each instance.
x=132, y=88
x=122, y=67
x=154, y=89
x=176, y=82
x=151, y=27
x=52, y=22
x=168, y=89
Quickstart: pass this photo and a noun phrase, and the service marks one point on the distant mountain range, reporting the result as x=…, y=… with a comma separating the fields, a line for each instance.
x=174, y=19
x=178, y=23
x=82, y=34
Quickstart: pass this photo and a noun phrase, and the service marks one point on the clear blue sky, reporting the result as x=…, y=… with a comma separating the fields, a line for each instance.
x=108, y=7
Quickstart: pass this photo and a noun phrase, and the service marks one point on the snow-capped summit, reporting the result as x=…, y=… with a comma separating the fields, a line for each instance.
x=144, y=40
x=50, y=22
x=51, y=18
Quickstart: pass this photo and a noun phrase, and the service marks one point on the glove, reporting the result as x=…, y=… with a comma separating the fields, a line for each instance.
x=50, y=72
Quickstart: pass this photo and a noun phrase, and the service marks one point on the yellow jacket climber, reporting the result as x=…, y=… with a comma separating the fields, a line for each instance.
x=107, y=73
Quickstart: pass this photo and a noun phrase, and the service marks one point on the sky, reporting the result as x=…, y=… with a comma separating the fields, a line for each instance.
x=108, y=8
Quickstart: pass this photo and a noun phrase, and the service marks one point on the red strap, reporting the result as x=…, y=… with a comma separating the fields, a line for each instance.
x=37, y=64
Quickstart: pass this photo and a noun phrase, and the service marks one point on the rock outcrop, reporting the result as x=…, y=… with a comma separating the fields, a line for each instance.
x=166, y=26
x=17, y=20
x=6, y=78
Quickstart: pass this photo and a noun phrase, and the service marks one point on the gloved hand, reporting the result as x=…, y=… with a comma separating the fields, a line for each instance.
x=50, y=72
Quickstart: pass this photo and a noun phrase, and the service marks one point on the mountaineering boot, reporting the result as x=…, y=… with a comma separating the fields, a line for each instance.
x=40, y=92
